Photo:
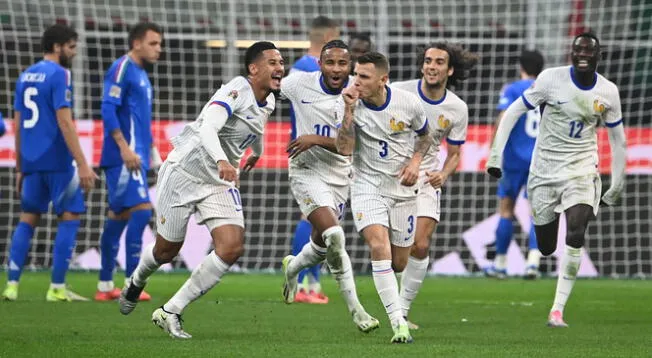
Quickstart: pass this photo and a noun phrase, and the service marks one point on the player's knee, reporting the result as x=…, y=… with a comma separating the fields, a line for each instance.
x=421, y=248
x=398, y=265
x=575, y=237
x=165, y=251
x=546, y=250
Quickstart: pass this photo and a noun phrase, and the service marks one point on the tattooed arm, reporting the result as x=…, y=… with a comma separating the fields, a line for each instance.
x=345, y=141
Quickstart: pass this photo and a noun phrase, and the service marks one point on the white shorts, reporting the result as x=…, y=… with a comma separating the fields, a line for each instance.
x=312, y=192
x=429, y=202
x=397, y=215
x=179, y=195
x=548, y=199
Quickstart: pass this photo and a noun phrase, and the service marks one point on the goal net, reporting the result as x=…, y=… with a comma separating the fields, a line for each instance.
x=204, y=42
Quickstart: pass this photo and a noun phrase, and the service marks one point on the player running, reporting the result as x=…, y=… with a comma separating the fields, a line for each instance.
x=443, y=65
x=564, y=175
x=200, y=176
x=320, y=177
x=378, y=129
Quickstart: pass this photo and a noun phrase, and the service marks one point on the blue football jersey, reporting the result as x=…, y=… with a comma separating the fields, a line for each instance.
x=127, y=86
x=41, y=90
x=518, y=151
x=306, y=63
x=3, y=129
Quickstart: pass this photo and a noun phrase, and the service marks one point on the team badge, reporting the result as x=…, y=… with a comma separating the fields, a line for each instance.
x=359, y=216
x=397, y=126
x=598, y=107
x=443, y=122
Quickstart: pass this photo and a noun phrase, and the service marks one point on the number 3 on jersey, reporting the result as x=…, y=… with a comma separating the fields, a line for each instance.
x=384, y=150
x=31, y=105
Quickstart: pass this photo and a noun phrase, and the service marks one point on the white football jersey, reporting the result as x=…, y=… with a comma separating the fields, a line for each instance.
x=567, y=145
x=246, y=123
x=385, y=143
x=317, y=110
x=447, y=118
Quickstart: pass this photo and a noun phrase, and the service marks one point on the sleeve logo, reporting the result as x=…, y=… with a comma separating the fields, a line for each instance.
x=115, y=91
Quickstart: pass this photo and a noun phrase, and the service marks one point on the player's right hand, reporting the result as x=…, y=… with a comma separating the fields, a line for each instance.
x=350, y=96
x=87, y=177
x=227, y=171
x=301, y=144
x=19, y=184
x=131, y=159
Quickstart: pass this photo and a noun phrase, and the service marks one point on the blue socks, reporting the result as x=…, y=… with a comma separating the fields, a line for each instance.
x=532, y=242
x=134, y=239
x=109, y=245
x=64, y=244
x=503, y=235
x=301, y=238
x=19, y=248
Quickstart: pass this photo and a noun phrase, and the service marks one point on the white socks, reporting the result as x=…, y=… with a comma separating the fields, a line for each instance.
x=387, y=288
x=203, y=278
x=411, y=281
x=533, y=258
x=500, y=262
x=567, y=271
x=146, y=267
x=340, y=265
x=105, y=286
x=310, y=255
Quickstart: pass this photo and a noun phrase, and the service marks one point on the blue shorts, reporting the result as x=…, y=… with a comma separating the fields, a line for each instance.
x=512, y=182
x=126, y=189
x=60, y=188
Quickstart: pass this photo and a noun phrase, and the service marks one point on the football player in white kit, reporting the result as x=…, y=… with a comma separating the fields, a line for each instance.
x=200, y=176
x=378, y=129
x=563, y=175
x=443, y=66
x=320, y=177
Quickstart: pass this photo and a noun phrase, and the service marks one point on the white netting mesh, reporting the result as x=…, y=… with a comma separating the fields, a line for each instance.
x=203, y=45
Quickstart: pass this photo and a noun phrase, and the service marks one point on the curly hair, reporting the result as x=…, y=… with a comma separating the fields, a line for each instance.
x=460, y=59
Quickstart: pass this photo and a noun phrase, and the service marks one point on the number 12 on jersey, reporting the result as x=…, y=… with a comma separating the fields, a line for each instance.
x=576, y=129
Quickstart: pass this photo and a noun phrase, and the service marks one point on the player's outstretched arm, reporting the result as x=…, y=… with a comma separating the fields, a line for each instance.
x=345, y=141
x=87, y=176
x=618, y=144
x=507, y=123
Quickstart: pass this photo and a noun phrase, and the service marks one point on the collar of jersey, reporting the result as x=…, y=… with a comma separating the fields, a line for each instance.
x=578, y=84
x=428, y=100
x=328, y=90
x=384, y=105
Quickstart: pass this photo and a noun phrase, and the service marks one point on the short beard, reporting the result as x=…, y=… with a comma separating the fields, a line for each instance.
x=64, y=61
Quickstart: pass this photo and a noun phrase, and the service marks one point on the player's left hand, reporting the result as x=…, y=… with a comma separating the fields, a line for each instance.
x=409, y=174
x=436, y=179
x=250, y=163
x=301, y=144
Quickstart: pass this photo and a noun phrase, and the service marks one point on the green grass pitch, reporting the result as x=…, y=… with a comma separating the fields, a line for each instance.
x=244, y=316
